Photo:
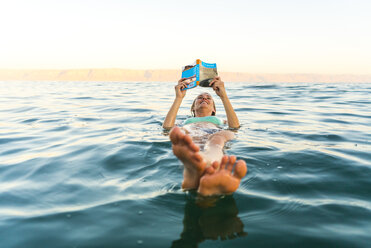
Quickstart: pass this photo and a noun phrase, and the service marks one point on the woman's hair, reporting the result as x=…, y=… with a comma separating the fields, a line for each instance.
x=193, y=104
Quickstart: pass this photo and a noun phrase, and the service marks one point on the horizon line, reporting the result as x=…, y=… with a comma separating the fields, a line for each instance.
x=167, y=69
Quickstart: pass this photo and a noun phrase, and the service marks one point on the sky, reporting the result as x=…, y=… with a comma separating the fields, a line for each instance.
x=262, y=36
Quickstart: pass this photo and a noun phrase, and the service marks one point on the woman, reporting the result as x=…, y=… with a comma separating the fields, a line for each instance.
x=208, y=171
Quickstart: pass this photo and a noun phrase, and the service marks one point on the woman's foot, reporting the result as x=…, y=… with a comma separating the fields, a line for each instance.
x=218, y=178
x=188, y=152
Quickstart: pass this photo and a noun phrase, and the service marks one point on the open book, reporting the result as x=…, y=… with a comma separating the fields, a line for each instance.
x=199, y=73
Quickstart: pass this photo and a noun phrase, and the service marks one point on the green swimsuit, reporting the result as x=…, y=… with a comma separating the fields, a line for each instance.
x=212, y=119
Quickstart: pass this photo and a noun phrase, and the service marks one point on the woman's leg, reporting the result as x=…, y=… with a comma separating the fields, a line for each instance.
x=213, y=150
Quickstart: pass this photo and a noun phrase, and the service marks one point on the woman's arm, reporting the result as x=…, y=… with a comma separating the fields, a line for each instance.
x=179, y=95
x=218, y=87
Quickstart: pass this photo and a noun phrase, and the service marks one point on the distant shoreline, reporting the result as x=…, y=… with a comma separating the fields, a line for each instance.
x=127, y=75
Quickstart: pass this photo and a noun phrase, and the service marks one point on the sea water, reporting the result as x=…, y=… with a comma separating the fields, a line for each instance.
x=86, y=164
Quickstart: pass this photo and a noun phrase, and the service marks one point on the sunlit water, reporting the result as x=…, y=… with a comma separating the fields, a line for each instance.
x=89, y=165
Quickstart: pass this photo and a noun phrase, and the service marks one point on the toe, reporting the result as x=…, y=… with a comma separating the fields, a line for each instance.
x=174, y=135
x=188, y=140
x=194, y=147
x=223, y=162
x=232, y=160
x=198, y=157
x=240, y=170
x=210, y=170
x=215, y=165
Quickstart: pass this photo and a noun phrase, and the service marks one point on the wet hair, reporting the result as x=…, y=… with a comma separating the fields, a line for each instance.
x=193, y=104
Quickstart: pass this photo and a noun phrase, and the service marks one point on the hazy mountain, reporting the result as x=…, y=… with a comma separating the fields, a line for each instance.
x=125, y=75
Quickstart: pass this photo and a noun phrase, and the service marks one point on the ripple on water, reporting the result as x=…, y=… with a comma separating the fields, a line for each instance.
x=331, y=120
x=30, y=120
x=324, y=137
x=17, y=139
x=265, y=86
x=315, y=136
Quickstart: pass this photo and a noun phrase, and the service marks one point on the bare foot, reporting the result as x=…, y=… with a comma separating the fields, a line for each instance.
x=218, y=179
x=188, y=152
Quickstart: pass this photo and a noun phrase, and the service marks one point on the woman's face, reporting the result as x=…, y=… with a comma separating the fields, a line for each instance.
x=205, y=102
x=204, y=98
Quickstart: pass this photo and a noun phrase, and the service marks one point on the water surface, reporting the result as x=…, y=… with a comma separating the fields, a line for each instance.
x=89, y=165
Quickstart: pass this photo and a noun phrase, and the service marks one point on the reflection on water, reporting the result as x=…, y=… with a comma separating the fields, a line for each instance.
x=209, y=218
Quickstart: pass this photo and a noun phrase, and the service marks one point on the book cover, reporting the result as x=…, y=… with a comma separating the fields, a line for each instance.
x=200, y=73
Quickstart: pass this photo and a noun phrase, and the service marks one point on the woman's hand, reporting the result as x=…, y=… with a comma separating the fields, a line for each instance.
x=179, y=92
x=218, y=87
